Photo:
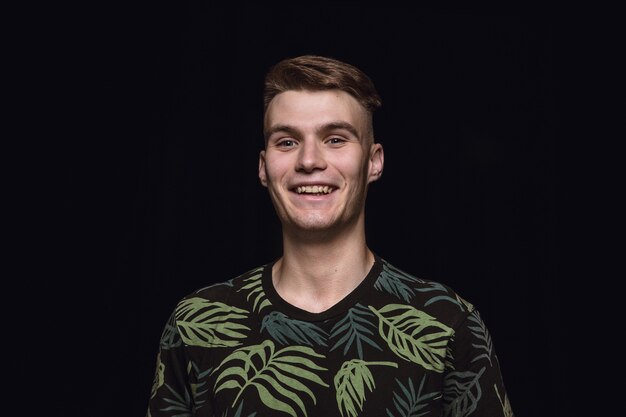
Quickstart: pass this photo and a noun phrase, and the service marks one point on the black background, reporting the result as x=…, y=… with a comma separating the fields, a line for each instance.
x=159, y=193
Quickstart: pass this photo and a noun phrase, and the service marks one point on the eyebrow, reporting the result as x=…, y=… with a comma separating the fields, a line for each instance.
x=292, y=130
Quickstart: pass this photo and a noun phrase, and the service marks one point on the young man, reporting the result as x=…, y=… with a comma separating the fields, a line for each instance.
x=330, y=328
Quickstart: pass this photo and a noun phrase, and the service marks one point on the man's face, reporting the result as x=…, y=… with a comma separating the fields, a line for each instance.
x=318, y=159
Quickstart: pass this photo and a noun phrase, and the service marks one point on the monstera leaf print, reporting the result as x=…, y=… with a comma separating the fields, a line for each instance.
x=254, y=287
x=280, y=377
x=410, y=403
x=350, y=382
x=284, y=329
x=461, y=393
x=355, y=328
x=482, y=334
x=414, y=335
x=396, y=282
x=210, y=324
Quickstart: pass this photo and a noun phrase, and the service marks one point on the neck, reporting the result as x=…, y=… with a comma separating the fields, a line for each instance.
x=315, y=274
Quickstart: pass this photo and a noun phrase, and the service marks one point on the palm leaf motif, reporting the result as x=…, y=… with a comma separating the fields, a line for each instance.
x=279, y=377
x=354, y=328
x=414, y=335
x=350, y=382
x=238, y=412
x=408, y=402
x=396, y=282
x=284, y=329
x=180, y=404
x=482, y=334
x=446, y=296
x=506, y=405
x=199, y=388
x=170, y=338
x=461, y=393
x=255, y=287
x=159, y=377
x=210, y=324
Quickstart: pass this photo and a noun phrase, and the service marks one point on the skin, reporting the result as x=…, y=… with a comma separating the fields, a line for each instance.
x=319, y=138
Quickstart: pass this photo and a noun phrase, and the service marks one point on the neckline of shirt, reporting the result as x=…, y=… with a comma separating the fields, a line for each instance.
x=350, y=300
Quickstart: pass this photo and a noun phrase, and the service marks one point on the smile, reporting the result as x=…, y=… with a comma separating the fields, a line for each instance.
x=314, y=189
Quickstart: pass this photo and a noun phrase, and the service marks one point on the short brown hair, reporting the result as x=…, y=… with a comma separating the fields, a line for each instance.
x=316, y=73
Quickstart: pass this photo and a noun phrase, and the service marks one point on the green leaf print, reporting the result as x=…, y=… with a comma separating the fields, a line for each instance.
x=446, y=296
x=461, y=393
x=408, y=402
x=354, y=328
x=482, y=334
x=414, y=335
x=506, y=405
x=284, y=329
x=159, y=377
x=199, y=388
x=279, y=377
x=396, y=282
x=255, y=287
x=181, y=404
x=350, y=382
x=170, y=338
x=238, y=412
x=210, y=324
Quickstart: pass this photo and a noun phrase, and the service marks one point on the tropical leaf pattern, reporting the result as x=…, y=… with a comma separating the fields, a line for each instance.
x=199, y=388
x=279, y=377
x=506, y=405
x=356, y=328
x=442, y=294
x=210, y=324
x=414, y=335
x=396, y=282
x=411, y=403
x=238, y=412
x=170, y=338
x=480, y=332
x=398, y=347
x=179, y=404
x=159, y=378
x=254, y=288
x=461, y=393
x=284, y=330
x=350, y=383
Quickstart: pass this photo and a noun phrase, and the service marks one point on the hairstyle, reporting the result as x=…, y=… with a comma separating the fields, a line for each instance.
x=317, y=73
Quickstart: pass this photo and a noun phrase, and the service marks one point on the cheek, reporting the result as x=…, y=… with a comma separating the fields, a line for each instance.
x=275, y=169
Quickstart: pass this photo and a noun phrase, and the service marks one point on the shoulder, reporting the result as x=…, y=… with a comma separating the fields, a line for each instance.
x=434, y=298
x=225, y=290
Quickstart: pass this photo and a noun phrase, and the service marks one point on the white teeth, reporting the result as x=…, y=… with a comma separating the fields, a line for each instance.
x=314, y=189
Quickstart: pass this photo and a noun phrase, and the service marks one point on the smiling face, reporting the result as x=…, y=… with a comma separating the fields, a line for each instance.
x=318, y=159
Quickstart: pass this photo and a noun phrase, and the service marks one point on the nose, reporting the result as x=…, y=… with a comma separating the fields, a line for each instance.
x=310, y=157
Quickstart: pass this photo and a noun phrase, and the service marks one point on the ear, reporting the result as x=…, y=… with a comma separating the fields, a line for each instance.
x=376, y=162
x=262, y=173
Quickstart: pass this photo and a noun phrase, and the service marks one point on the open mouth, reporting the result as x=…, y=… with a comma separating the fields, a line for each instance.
x=314, y=189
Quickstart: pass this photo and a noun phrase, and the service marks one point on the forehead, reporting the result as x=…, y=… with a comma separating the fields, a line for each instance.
x=312, y=108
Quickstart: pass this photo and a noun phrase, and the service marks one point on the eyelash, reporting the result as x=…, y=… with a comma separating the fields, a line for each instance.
x=287, y=143
x=340, y=140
